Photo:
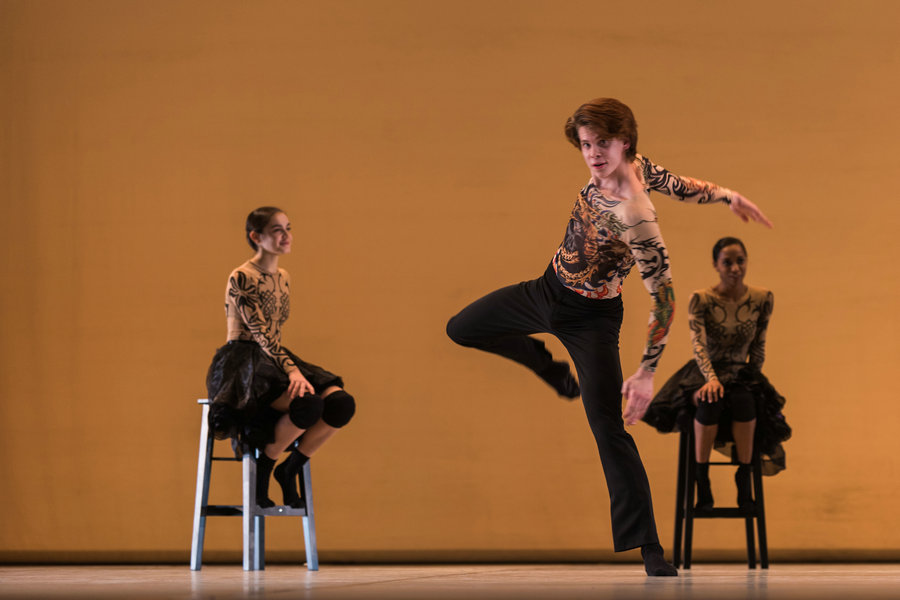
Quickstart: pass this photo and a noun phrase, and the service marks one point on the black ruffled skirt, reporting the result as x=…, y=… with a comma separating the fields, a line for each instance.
x=243, y=381
x=673, y=408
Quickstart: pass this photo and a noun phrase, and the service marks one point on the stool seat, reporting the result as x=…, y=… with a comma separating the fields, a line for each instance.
x=686, y=512
x=253, y=515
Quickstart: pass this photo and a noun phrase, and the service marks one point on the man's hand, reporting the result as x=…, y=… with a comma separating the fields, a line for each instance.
x=637, y=391
x=747, y=211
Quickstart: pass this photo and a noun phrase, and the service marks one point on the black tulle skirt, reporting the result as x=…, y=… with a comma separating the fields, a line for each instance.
x=673, y=409
x=243, y=381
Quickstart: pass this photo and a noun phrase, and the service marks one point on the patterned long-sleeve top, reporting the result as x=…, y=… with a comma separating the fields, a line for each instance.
x=605, y=238
x=257, y=303
x=729, y=332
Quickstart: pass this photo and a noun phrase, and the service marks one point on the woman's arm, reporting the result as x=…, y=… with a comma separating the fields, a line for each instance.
x=244, y=296
x=697, y=325
x=698, y=191
x=649, y=251
x=757, y=354
x=712, y=391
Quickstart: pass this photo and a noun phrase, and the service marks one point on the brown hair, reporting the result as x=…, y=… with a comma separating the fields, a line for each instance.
x=257, y=221
x=608, y=118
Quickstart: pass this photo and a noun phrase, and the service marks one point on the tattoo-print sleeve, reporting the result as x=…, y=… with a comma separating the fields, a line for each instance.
x=681, y=188
x=649, y=252
x=244, y=293
x=697, y=325
x=757, y=352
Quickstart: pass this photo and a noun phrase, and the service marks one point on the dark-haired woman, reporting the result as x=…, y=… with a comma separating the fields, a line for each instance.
x=262, y=395
x=724, y=383
x=578, y=299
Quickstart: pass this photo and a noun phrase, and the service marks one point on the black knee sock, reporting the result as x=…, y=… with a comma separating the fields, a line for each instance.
x=704, y=490
x=655, y=563
x=286, y=474
x=742, y=481
x=264, y=466
x=560, y=379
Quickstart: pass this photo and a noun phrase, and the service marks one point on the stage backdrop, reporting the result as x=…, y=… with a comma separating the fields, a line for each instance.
x=418, y=149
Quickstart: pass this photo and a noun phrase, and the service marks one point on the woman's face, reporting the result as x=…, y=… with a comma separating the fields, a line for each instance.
x=276, y=237
x=731, y=265
x=602, y=156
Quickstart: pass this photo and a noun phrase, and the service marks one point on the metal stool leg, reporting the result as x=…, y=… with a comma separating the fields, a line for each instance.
x=201, y=498
x=253, y=525
x=260, y=542
x=309, y=523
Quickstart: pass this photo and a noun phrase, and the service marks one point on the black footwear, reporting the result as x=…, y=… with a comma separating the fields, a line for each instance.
x=655, y=563
x=742, y=481
x=287, y=476
x=560, y=378
x=264, y=466
x=704, y=491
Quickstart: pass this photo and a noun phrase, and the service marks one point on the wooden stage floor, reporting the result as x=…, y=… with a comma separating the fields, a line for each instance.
x=451, y=582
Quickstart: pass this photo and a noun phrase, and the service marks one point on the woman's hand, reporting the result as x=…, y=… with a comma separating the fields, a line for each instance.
x=747, y=211
x=638, y=391
x=712, y=391
x=298, y=386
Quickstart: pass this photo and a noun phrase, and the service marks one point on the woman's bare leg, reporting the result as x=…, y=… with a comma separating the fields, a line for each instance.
x=743, y=439
x=285, y=430
x=319, y=433
x=704, y=436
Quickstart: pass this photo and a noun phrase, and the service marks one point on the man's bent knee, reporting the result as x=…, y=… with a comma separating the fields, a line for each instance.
x=457, y=332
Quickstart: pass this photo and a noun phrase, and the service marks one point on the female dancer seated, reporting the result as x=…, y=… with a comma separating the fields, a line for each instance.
x=578, y=299
x=262, y=395
x=728, y=325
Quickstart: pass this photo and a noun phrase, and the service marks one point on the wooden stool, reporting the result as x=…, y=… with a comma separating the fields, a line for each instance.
x=253, y=515
x=685, y=513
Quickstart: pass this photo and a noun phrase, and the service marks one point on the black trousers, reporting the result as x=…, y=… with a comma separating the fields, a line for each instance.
x=589, y=329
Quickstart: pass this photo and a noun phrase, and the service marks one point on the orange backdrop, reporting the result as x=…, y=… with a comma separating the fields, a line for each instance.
x=418, y=149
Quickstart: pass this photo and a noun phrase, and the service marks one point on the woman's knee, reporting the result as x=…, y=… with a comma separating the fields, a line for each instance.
x=305, y=411
x=743, y=407
x=743, y=413
x=708, y=413
x=338, y=409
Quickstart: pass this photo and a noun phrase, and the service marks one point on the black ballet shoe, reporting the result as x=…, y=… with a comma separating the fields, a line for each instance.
x=264, y=466
x=704, y=491
x=560, y=378
x=287, y=476
x=655, y=563
x=742, y=481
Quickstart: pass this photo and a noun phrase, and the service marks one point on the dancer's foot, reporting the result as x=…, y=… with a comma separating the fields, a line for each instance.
x=655, y=563
x=560, y=378
x=742, y=480
x=704, y=490
x=286, y=474
x=264, y=466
